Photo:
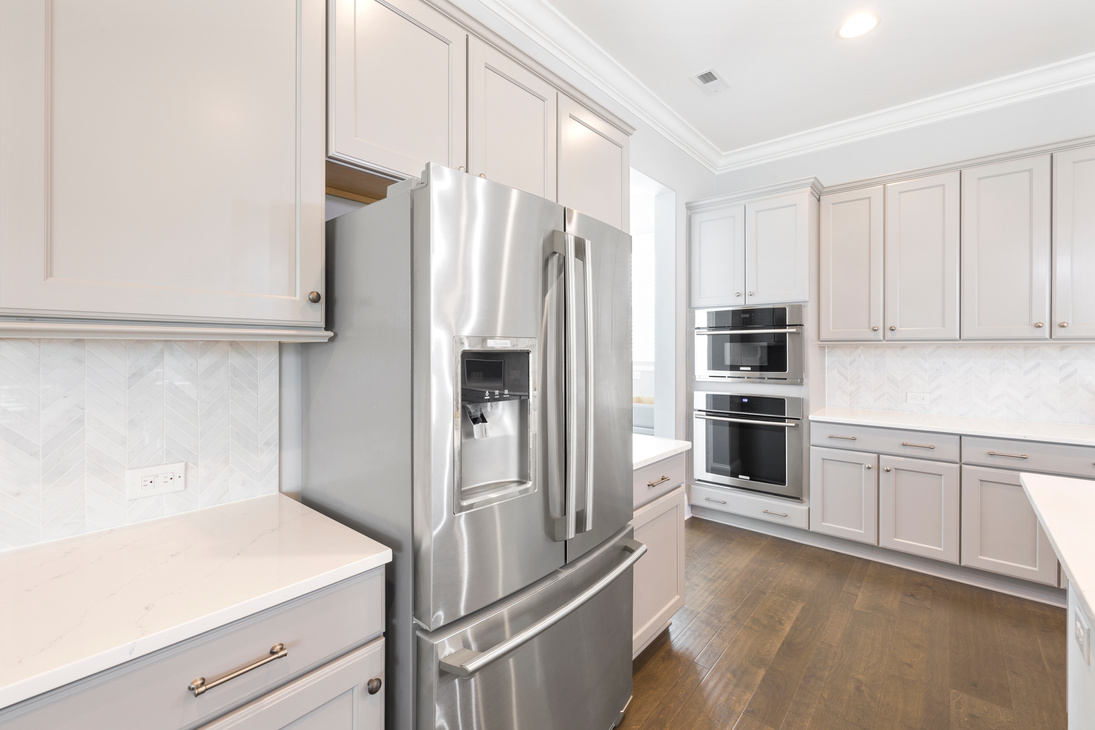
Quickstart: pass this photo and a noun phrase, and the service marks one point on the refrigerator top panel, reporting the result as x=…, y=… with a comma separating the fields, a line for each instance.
x=483, y=518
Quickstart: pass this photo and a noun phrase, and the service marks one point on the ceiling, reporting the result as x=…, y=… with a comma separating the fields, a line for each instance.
x=793, y=83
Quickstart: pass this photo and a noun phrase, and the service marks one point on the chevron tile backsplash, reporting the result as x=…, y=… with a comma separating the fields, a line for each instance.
x=1053, y=383
x=75, y=414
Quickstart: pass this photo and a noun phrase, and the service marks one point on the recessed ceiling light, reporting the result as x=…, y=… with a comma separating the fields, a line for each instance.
x=858, y=25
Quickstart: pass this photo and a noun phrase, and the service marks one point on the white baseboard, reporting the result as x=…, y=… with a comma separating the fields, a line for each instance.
x=970, y=576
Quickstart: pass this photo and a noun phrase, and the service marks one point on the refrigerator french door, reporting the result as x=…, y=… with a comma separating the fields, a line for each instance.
x=473, y=412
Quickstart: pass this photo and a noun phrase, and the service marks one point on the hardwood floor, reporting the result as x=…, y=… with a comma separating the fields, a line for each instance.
x=775, y=635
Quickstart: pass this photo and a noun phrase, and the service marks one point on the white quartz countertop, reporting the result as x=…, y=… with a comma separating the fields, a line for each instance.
x=74, y=607
x=1059, y=433
x=648, y=449
x=1065, y=506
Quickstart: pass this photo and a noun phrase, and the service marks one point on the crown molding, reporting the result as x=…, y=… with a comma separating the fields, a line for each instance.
x=563, y=46
x=791, y=186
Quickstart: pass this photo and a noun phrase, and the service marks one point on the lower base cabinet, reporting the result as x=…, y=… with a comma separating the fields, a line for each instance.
x=918, y=507
x=659, y=576
x=1000, y=531
x=844, y=494
x=345, y=694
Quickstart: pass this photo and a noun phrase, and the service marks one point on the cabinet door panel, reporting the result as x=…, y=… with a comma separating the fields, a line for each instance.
x=1006, y=250
x=333, y=697
x=512, y=122
x=851, y=265
x=777, y=243
x=1074, y=244
x=594, y=165
x=922, y=229
x=398, y=86
x=918, y=503
x=718, y=256
x=844, y=494
x=659, y=576
x=180, y=187
x=1000, y=531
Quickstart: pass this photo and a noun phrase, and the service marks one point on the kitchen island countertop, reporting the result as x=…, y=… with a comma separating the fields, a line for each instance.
x=648, y=449
x=74, y=607
x=1064, y=506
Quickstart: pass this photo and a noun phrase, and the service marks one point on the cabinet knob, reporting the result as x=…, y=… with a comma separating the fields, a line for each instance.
x=1062, y=324
x=483, y=175
x=892, y=328
x=1039, y=324
x=737, y=294
x=750, y=293
x=462, y=169
x=868, y=466
x=875, y=328
x=314, y=297
x=888, y=469
x=373, y=685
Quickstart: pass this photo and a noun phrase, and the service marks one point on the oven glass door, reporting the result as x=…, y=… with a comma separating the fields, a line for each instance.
x=743, y=353
x=746, y=453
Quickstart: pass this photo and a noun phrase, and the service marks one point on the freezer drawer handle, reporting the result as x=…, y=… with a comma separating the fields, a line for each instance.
x=200, y=685
x=464, y=662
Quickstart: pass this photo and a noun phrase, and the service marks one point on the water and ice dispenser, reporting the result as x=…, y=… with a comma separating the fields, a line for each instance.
x=495, y=432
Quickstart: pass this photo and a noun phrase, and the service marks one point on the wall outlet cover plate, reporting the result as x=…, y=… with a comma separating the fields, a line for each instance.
x=148, y=481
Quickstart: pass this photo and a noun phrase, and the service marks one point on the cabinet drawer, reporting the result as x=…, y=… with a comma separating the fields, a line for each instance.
x=152, y=691
x=916, y=444
x=794, y=514
x=654, y=480
x=1029, y=456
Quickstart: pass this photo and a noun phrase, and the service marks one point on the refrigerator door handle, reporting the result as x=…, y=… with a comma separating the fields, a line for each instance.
x=465, y=662
x=578, y=347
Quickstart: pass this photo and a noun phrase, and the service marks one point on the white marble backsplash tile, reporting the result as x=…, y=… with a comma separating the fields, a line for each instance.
x=75, y=414
x=1049, y=382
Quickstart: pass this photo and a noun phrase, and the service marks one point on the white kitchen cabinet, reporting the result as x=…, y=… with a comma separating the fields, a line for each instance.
x=594, y=164
x=851, y=265
x=512, y=122
x=844, y=494
x=345, y=694
x=717, y=236
x=1000, y=531
x=1073, y=244
x=922, y=253
x=162, y=161
x=659, y=576
x=918, y=507
x=778, y=233
x=397, y=86
x=1006, y=250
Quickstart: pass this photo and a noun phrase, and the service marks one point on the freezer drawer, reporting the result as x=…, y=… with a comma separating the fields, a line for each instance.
x=575, y=674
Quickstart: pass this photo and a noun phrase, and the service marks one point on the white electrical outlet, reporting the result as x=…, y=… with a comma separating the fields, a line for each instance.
x=151, y=480
x=1082, y=632
x=922, y=399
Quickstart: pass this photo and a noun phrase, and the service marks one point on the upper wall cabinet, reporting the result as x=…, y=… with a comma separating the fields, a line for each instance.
x=851, y=265
x=921, y=252
x=718, y=257
x=162, y=161
x=594, y=165
x=1006, y=250
x=397, y=79
x=752, y=252
x=512, y=122
x=1074, y=243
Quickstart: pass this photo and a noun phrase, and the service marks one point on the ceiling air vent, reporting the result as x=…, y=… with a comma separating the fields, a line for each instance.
x=710, y=82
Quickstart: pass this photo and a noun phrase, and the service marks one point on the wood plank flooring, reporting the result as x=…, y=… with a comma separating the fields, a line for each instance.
x=775, y=635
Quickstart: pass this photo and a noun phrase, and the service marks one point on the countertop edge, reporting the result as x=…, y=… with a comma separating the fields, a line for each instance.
x=84, y=668
x=673, y=447
x=1078, y=588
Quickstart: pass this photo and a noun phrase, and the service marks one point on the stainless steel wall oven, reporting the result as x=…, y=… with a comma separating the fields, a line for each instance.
x=749, y=441
x=756, y=343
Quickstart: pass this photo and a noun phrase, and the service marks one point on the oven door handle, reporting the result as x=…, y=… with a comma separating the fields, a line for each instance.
x=784, y=424
x=711, y=331
x=465, y=662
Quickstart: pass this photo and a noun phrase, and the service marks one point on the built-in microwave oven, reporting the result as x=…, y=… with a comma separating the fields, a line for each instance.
x=749, y=441
x=750, y=343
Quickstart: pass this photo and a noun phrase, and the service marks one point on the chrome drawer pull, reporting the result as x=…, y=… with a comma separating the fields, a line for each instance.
x=918, y=446
x=199, y=686
x=720, y=501
x=845, y=438
x=777, y=514
x=660, y=481
x=1010, y=456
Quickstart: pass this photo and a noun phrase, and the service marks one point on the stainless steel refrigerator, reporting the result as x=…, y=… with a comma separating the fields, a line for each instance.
x=473, y=412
